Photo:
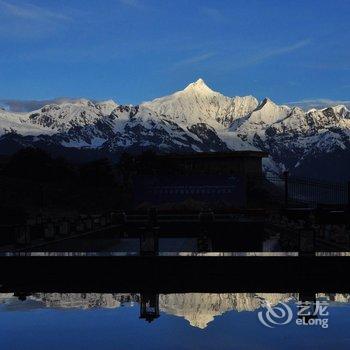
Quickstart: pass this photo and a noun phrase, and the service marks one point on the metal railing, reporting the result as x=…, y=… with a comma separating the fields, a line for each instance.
x=282, y=189
x=310, y=191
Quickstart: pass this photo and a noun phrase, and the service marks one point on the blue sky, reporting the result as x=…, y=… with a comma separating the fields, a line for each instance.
x=136, y=50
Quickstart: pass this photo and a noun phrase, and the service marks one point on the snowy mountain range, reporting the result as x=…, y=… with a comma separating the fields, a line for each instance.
x=315, y=143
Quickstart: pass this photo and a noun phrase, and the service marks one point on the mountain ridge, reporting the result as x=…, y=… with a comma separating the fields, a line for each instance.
x=195, y=119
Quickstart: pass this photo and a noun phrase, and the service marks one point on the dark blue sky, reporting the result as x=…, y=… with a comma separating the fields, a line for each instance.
x=135, y=50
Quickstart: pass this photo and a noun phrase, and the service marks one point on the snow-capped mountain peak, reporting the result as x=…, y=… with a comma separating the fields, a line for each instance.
x=342, y=111
x=107, y=107
x=266, y=113
x=199, y=87
x=198, y=103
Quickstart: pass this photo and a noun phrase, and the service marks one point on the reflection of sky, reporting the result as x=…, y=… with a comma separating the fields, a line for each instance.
x=115, y=328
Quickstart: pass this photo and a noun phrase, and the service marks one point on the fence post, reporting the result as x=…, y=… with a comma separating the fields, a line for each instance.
x=285, y=176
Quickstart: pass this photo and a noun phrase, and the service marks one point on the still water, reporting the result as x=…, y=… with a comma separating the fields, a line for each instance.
x=173, y=321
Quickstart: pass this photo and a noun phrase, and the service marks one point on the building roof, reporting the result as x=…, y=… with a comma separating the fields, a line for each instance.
x=201, y=155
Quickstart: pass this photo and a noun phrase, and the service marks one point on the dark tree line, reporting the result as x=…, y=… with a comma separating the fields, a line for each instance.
x=34, y=180
x=36, y=165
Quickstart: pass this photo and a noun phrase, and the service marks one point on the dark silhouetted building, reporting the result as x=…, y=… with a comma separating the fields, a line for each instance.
x=244, y=163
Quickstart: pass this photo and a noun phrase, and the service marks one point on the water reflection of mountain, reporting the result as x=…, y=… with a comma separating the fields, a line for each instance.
x=199, y=309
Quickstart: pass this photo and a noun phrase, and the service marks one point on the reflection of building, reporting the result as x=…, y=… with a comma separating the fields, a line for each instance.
x=149, y=307
x=223, y=163
x=306, y=306
x=149, y=242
